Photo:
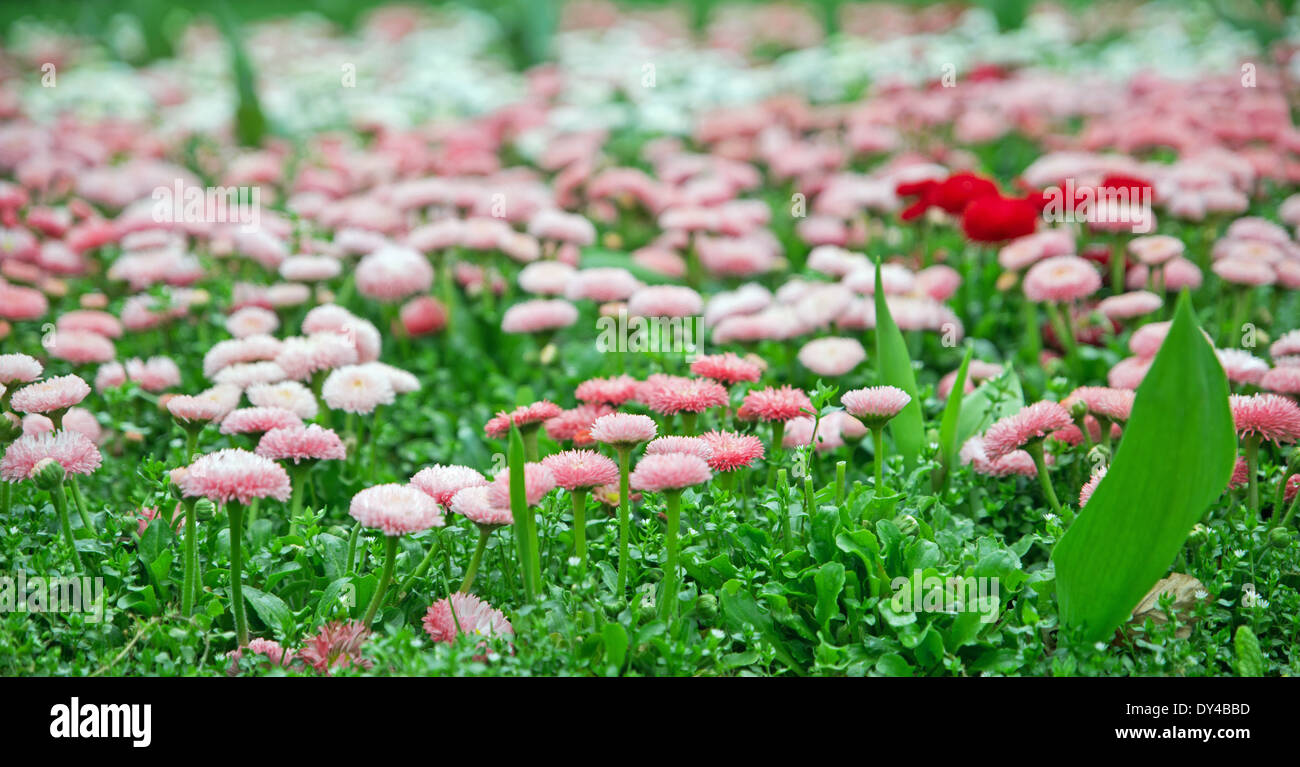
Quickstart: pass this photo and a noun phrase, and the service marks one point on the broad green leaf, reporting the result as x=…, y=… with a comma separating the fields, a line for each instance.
x=830, y=582
x=895, y=368
x=615, y=638
x=525, y=523
x=271, y=609
x=995, y=398
x=948, y=444
x=740, y=608
x=1249, y=660
x=1169, y=467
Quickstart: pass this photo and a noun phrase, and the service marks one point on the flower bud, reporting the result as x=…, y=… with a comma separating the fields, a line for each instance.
x=1198, y=535
x=47, y=474
x=706, y=607
x=1279, y=538
x=906, y=524
x=1078, y=409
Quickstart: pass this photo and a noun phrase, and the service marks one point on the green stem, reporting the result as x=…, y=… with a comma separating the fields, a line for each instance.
x=5, y=500
x=624, y=518
x=80, y=503
x=1035, y=450
x=774, y=459
x=787, y=539
x=841, y=469
x=529, y=435
x=580, y=525
x=434, y=547
x=236, y=513
x=191, y=557
x=352, y=547
x=1286, y=520
x=483, y=533
x=878, y=439
x=668, y=596
x=61, y=506
x=1252, y=463
x=390, y=558
x=688, y=423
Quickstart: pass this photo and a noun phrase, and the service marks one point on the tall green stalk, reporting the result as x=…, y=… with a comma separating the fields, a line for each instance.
x=525, y=522
x=668, y=596
x=474, y=562
x=624, y=517
x=579, y=495
x=390, y=559
x=191, y=557
x=236, y=513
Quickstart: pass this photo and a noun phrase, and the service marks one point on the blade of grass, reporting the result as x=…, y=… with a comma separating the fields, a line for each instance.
x=895, y=368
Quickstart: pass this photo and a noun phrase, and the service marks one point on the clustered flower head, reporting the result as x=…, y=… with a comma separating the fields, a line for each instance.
x=395, y=509
x=70, y=449
x=669, y=471
x=524, y=415
x=301, y=443
x=875, y=406
x=1032, y=422
x=235, y=475
x=777, y=404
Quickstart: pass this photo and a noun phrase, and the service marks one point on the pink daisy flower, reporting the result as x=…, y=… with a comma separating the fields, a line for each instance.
x=237, y=350
x=575, y=424
x=978, y=371
x=777, y=404
x=1061, y=278
x=423, y=315
x=1241, y=271
x=1268, y=416
x=1085, y=492
x=90, y=321
x=1128, y=305
x=465, y=614
x=610, y=391
x=603, y=285
x=1128, y=373
x=1288, y=344
x=299, y=443
x=524, y=415
x=539, y=316
x=545, y=278
x=538, y=481
x=1147, y=340
x=300, y=358
x=674, y=444
x=1033, y=422
x=730, y=451
x=443, y=482
x=473, y=504
x=669, y=471
x=50, y=395
x=337, y=645
x=80, y=347
x=1105, y=402
x=832, y=357
x=154, y=374
x=252, y=321
x=875, y=405
x=1283, y=380
x=357, y=389
x=70, y=449
x=18, y=368
x=665, y=301
x=395, y=509
x=1241, y=366
x=623, y=430
x=287, y=395
x=235, y=475
x=393, y=273
x=257, y=420
x=1016, y=463
x=686, y=395
x=581, y=469
x=727, y=369
x=184, y=407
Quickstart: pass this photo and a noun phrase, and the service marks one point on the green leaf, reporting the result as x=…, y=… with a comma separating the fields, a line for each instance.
x=615, y=637
x=271, y=609
x=1169, y=467
x=525, y=523
x=830, y=582
x=995, y=398
x=1250, y=661
x=895, y=367
x=948, y=444
x=250, y=123
x=740, y=608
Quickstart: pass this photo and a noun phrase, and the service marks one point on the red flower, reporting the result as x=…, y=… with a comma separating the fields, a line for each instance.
x=952, y=194
x=998, y=219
